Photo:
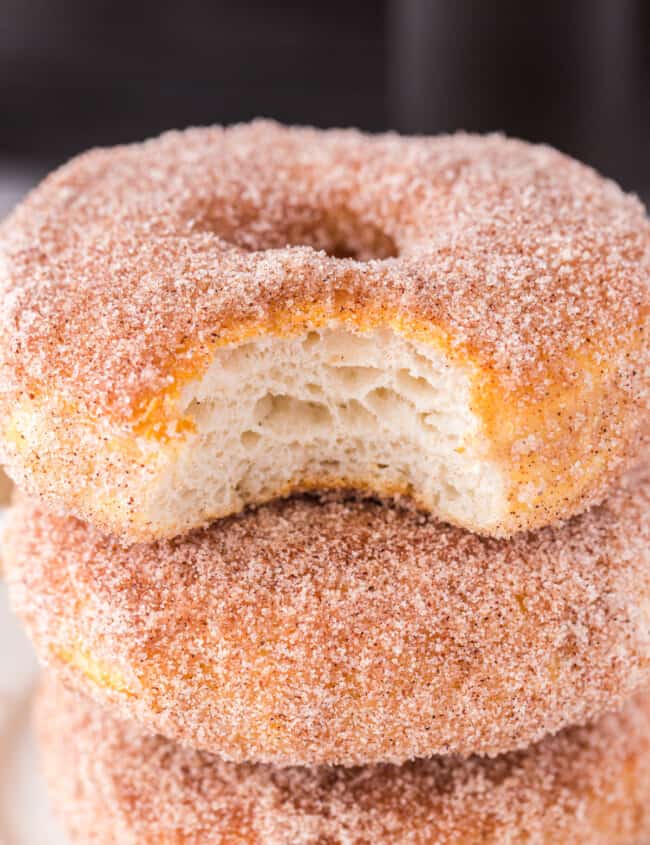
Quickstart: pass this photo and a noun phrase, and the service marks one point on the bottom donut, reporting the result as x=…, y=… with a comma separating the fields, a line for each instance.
x=110, y=783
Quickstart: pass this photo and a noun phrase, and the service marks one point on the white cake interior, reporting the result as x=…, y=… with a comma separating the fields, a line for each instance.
x=331, y=407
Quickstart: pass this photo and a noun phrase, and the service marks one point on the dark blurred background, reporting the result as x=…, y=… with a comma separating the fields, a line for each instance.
x=76, y=73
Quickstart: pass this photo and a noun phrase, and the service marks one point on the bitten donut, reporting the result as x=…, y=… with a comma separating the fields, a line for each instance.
x=223, y=316
x=342, y=632
x=109, y=783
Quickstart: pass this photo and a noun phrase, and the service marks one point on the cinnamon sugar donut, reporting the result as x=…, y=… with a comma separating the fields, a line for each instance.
x=111, y=784
x=222, y=316
x=344, y=632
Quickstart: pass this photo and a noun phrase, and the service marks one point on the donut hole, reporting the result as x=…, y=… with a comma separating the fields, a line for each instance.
x=338, y=233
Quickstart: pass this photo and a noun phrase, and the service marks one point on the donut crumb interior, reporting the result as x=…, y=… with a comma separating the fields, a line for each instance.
x=331, y=408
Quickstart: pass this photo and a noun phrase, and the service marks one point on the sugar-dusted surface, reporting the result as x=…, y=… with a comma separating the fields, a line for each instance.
x=109, y=783
x=124, y=270
x=127, y=256
x=343, y=632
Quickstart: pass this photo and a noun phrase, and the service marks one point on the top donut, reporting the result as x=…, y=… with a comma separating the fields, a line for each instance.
x=221, y=316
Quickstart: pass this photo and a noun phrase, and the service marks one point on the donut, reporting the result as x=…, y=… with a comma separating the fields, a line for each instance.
x=220, y=317
x=344, y=632
x=110, y=783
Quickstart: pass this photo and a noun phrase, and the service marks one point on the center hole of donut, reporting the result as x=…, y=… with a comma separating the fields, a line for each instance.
x=338, y=233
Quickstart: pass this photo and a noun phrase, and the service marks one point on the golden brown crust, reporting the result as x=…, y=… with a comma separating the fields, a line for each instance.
x=5, y=489
x=344, y=632
x=125, y=270
x=109, y=783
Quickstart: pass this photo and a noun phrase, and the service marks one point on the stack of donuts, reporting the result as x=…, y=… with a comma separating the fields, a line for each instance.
x=334, y=511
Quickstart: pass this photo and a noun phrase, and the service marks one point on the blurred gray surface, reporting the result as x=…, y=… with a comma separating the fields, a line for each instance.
x=15, y=181
x=25, y=818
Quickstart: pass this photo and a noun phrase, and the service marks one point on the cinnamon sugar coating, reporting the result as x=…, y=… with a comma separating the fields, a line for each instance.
x=127, y=268
x=344, y=632
x=109, y=783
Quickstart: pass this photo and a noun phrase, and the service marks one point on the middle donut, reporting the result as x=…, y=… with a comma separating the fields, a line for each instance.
x=319, y=632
